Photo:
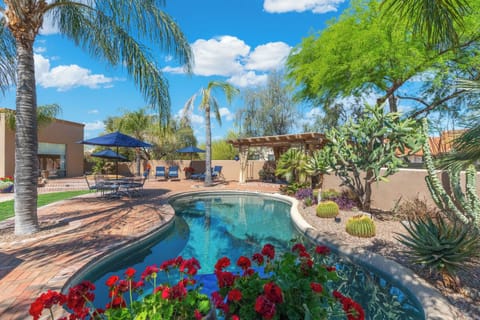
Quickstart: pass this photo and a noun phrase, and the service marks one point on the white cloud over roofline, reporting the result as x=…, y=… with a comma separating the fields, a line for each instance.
x=315, y=6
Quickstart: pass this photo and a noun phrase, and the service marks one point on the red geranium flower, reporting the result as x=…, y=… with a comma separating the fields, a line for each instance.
x=130, y=272
x=268, y=251
x=257, y=257
x=234, y=295
x=322, y=250
x=273, y=292
x=222, y=263
x=265, y=307
x=299, y=247
x=316, y=287
x=244, y=263
x=112, y=281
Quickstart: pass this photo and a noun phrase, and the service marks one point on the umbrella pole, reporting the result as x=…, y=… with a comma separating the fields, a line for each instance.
x=116, y=163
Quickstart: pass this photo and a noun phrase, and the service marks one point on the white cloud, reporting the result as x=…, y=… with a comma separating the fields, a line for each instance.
x=268, y=56
x=316, y=6
x=65, y=77
x=220, y=56
x=225, y=113
x=197, y=119
x=96, y=125
x=230, y=57
x=248, y=79
x=39, y=49
x=94, y=111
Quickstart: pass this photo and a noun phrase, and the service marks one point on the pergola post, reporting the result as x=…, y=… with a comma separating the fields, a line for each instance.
x=243, y=163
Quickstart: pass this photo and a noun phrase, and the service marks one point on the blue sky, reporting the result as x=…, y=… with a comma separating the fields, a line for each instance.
x=238, y=41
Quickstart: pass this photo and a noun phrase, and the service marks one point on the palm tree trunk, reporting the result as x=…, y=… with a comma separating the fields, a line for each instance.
x=208, y=153
x=26, y=142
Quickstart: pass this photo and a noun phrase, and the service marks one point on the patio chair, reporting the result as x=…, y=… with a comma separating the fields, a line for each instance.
x=106, y=188
x=217, y=173
x=173, y=172
x=160, y=172
x=90, y=186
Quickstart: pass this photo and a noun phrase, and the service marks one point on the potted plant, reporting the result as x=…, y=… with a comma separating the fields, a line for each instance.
x=188, y=172
x=6, y=184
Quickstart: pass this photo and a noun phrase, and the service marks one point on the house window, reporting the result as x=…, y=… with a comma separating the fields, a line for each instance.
x=51, y=157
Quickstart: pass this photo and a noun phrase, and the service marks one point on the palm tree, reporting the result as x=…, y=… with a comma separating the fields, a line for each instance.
x=439, y=21
x=209, y=103
x=111, y=30
x=291, y=165
x=46, y=114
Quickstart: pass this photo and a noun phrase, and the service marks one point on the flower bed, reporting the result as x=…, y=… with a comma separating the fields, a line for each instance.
x=6, y=184
x=295, y=285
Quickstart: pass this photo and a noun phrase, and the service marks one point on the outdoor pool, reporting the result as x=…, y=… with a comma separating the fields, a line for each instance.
x=210, y=226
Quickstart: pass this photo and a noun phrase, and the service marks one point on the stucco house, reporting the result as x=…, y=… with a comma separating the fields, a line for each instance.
x=59, y=154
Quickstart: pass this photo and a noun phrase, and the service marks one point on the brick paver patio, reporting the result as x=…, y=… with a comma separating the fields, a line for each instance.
x=80, y=230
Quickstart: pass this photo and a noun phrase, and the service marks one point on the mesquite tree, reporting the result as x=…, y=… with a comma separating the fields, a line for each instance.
x=370, y=149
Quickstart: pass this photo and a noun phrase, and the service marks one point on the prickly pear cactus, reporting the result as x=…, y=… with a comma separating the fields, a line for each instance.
x=461, y=205
x=327, y=209
x=361, y=226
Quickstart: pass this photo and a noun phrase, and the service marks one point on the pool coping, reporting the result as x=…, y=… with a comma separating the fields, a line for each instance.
x=434, y=305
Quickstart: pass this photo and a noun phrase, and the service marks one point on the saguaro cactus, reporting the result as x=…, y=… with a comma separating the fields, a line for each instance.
x=458, y=204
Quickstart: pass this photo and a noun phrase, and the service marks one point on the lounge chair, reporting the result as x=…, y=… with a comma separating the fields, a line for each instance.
x=173, y=172
x=160, y=172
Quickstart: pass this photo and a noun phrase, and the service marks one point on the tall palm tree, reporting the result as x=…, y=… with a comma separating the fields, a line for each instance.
x=115, y=31
x=208, y=104
x=438, y=20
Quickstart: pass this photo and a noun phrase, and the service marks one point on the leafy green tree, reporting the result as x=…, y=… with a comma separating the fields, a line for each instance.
x=222, y=150
x=360, y=55
x=359, y=150
x=268, y=110
x=114, y=31
x=138, y=124
x=46, y=114
x=209, y=104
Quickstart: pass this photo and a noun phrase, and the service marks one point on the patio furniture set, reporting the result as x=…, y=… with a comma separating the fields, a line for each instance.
x=116, y=188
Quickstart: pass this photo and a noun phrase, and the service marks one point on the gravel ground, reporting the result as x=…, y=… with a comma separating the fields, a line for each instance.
x=467, y=301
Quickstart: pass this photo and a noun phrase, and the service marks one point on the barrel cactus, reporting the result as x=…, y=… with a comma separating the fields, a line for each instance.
x=327, y=209
x=361, y=226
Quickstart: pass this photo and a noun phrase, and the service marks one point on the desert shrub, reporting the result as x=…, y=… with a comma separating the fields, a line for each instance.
x=346, y=200
x=441, y=247
x=292, y=188
x=329, y=194
x=415, y=209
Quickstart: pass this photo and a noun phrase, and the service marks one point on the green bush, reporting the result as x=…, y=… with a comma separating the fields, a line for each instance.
x=361, y=226
x=329, y=194
x=327, y=209
x=441, y=247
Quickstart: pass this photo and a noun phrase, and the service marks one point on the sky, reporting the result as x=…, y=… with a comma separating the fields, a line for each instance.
x=238, y=41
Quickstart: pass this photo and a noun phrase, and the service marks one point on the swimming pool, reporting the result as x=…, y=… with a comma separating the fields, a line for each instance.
x=209, y=227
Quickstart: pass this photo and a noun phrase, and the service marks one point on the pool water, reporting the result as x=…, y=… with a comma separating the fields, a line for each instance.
x=210, y=227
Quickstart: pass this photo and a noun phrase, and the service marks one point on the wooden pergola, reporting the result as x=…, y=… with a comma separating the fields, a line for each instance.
x=306, y=141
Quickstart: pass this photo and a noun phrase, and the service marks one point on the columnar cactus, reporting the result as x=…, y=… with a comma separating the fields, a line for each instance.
x=327, y=209
x=458, y=204
x=360, y=226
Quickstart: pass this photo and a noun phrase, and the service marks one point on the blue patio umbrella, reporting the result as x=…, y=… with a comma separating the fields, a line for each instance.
x=109, y=154
x=190, y=149
x=116, y=139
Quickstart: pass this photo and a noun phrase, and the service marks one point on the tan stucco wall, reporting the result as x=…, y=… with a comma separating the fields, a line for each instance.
x=60, y=131
x=7, y=149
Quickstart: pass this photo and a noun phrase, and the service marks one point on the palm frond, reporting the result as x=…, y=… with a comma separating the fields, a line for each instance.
x=116, y=31
x=439, y=21
x=7, y=58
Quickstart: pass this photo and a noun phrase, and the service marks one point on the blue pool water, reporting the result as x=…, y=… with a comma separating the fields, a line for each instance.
x=210, y=227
